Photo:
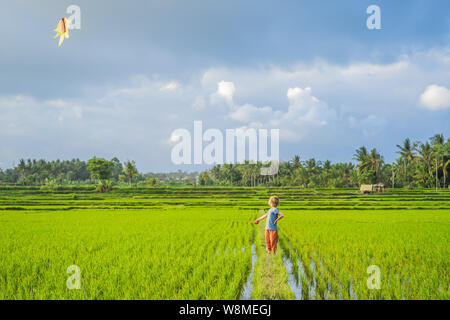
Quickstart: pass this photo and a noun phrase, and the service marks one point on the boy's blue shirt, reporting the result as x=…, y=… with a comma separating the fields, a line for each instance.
x=272, y=215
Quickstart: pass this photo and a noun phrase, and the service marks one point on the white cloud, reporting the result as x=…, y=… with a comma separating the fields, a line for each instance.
x=58, y=103
x=222, y=97
x=362, y=87
x=226, y=90
x=127, y=122
x=304, y=114
x=306, y=108
x=169, y=86
x=317, y=103
x=435, y=97
x=370, y=69
x=250, y=113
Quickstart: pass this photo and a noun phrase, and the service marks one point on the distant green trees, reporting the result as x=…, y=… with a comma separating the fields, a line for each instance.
x=117, y=168
x=130, y=170
x=152, y=182
x=309, y=174
x=425, y=165
x=68, y=172
x=418, y=165
x=101, y=170
x=205, y=179
x=40, y=172
x=370, y=165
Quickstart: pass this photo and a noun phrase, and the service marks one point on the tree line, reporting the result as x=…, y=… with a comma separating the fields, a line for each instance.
x=105, y=173
x=419, y=164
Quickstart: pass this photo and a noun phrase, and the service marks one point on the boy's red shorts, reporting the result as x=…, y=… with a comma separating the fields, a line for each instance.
x=271, y=240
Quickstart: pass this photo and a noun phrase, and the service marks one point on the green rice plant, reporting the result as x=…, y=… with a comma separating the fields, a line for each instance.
x=169, y=254
x=194, y=243
x=411, y=248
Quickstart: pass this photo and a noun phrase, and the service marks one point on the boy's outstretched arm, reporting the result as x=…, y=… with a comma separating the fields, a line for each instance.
x=280, y=216
x=261, y=218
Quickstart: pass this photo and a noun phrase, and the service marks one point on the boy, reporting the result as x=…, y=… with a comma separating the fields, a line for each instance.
x=273, y=215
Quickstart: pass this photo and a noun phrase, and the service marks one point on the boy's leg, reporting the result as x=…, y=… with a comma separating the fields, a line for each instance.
x=274, y=240
x=268, y=247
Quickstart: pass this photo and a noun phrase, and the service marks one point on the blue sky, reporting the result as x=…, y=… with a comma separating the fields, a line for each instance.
x=138, y=70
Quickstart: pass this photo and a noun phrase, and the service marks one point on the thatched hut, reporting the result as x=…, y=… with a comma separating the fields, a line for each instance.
x=371, y=188
x=366, y=188
x=379, y=187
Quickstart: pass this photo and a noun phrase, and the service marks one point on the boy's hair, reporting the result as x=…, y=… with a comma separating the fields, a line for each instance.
x=274, y=201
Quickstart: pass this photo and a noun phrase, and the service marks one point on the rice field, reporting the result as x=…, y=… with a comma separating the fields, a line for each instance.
x=200, y=243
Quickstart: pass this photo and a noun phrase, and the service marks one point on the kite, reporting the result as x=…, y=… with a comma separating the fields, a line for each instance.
x=62, y=30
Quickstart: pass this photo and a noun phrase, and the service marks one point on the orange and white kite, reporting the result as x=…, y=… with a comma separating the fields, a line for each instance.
x=62, y=30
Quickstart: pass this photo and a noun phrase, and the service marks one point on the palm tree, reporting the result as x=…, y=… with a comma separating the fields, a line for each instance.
x=446, y=162
x=214, y=173
x=22, y=167
x=426, y=153
x=394, y=169
x=372, y=161
x=407, y=154
x=286, y=168
x=227, y=171
x=246, y=173
x=311, y=167
x=407, y=151
x=362, y=156
x=296, y=162
x=130, y=170
x=437, y=142
x=255, y=171
x=376, y=161
x=327, y=165
x=446, y=166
